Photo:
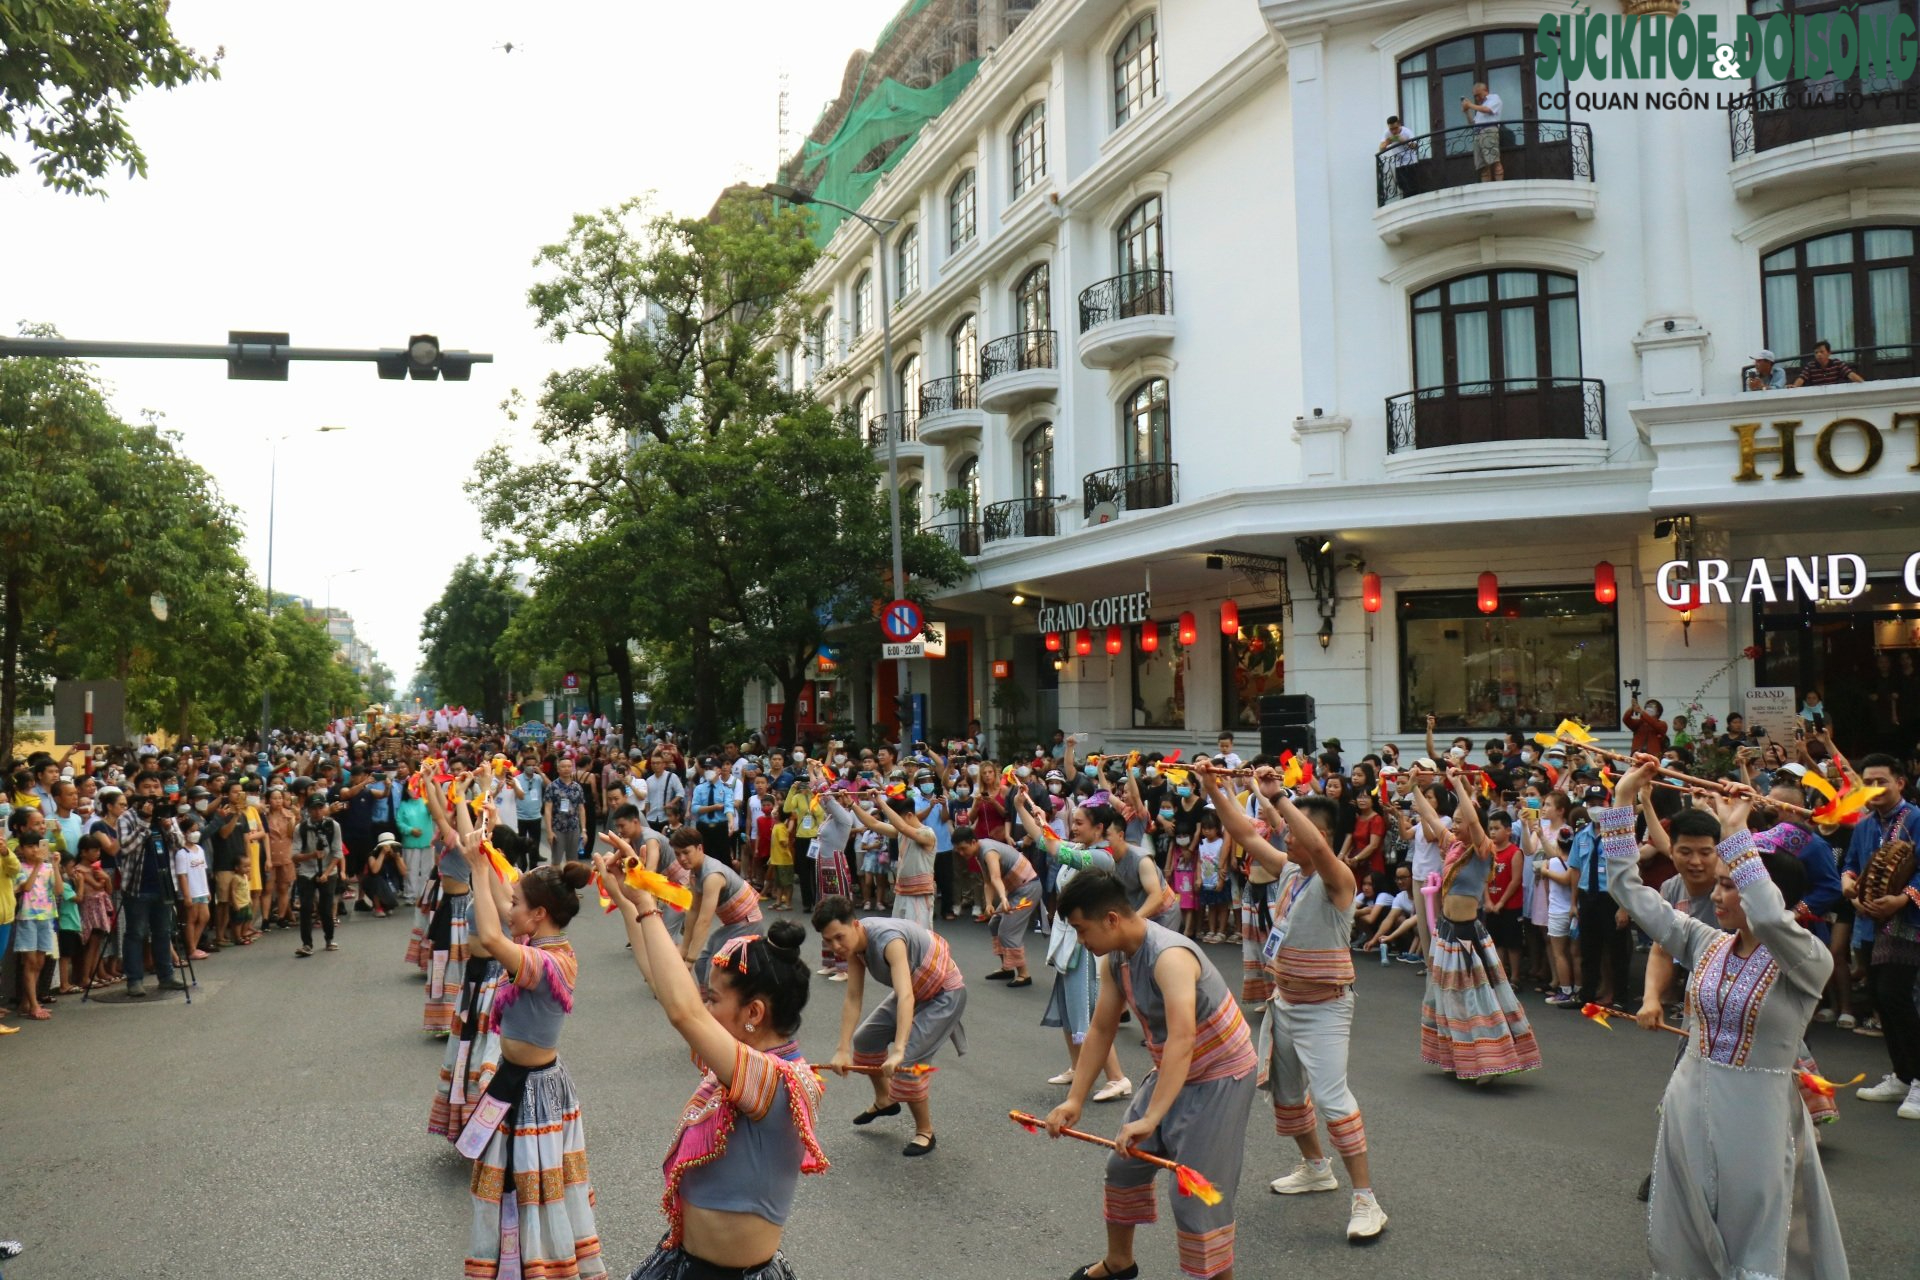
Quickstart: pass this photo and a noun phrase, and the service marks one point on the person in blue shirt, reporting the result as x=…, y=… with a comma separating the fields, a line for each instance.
x=529, y=788
x=1893, y=922
x=1606, y=937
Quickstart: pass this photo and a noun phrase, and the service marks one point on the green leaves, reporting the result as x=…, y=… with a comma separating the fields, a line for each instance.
x=66, y=69
x=461, y=636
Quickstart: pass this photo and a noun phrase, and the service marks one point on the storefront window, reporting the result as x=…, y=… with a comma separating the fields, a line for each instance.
x=1861, y=655
x=1547, y=654
x=1253, y=664
x=1159, y=683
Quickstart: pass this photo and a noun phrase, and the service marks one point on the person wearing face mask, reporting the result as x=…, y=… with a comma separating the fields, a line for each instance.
x=833, y=877
x=930, y=807
x=913, y=889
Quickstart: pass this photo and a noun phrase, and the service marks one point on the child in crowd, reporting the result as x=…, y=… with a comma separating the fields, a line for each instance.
x=780, y=863
x=96, y=908
x=69, y=922
x=760, y=808
x=1184, y=876
x=190, y=869
x=1215, y=890
x=870, y=847
x=35, y=919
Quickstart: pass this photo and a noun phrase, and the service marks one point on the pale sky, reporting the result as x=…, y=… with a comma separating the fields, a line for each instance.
x=365, y=171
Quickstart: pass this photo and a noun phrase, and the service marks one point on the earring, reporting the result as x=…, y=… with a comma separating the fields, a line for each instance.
x=749, y=1028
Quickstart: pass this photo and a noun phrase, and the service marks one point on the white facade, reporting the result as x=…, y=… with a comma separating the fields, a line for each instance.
x=1597, y=388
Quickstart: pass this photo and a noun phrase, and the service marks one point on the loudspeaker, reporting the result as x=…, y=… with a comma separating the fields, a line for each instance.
x=1286, y=708
x=1279, y=738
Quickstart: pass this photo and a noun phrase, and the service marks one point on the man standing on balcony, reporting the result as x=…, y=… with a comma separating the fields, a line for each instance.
x=1825, y=371
x=1483, y=113
x=1765, y=375
x=1401, y=153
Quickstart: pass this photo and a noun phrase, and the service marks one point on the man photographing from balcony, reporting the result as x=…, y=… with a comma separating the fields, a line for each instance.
x=1483, y=113
x=1766, y=375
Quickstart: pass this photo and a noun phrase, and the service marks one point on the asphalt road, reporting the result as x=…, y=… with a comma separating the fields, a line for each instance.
x=277, y=1129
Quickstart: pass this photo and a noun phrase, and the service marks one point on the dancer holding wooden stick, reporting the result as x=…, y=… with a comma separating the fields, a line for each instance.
x=1192, y=1109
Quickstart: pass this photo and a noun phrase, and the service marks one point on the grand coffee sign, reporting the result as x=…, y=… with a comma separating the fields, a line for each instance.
x=1837, y=578
x=1106, y=611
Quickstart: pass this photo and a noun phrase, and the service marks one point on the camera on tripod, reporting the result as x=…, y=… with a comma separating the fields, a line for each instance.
x=1632, y=687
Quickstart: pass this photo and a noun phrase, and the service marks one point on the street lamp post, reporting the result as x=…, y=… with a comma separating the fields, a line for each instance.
x=889, y=395
x=273, y=500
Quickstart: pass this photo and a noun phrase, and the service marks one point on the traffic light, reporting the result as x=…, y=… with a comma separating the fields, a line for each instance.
x=903, y=710
x=424, y=361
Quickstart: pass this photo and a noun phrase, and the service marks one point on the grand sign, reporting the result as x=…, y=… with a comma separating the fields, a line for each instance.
x=1835, y=578
x=1106, y=611
x=1844, y=447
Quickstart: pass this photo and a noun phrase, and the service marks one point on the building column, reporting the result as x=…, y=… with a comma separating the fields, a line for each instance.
x=1672, y=342
x=1313, y=217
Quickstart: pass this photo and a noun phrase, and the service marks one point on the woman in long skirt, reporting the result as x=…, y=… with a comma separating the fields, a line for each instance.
x=1737, y=1185
x=1471, y=1022
x=747, y=1134
x=473, y=1044
x=532, y=1200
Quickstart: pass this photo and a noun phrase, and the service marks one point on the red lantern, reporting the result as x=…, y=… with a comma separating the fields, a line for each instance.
x=1489, y=593
x=1189, y=629
x=1053, y=642
x=1370, y=592
x=1149, y=637
x=1083, y=642
x=1115, y=640
x=1229, y=618
x=1605, y=589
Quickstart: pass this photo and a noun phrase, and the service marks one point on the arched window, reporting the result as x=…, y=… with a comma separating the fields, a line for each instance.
x=1148, y=424
x=906, y=260
x=909, y=388
x=862, y=304
x=910, y=504
x=1029, y=149
x=1136, y=70
x=861, y=409
x=963, y=348
x=1435, y=80
x=1858, y=289
x=961, y=211
x=1137, y=239
x=817, y=358
x=1033, y=301
x=1036, y=461
x=967, y=481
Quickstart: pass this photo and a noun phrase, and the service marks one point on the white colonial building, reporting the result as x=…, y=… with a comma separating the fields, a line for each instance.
x=1168, y=319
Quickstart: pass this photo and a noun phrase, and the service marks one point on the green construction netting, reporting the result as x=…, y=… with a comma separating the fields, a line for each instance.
x=876, y=135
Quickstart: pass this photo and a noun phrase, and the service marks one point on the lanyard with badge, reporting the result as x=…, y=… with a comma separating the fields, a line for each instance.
x=1277, y=936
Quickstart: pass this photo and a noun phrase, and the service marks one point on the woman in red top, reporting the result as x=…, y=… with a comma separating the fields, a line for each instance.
x=1367, y=854
x=990, y=810
x=1649, y=730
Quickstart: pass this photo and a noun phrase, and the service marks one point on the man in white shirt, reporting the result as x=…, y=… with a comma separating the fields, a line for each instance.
x=1401, y=150
x=1483, y=113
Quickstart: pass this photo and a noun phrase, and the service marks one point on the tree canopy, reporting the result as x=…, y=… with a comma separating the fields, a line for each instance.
x=66, y=69
x=726, y=521
x=461, y=636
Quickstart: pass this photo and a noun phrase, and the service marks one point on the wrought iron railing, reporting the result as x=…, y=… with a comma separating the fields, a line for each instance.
x=1016, y=353
x=944, y=395
x=906, y=424
x=962, y=535
x=1450, y=158
x=1021, y=518
x=1142, y=486
x=1793, y=111
x=1137, y=293
x=1513, y=410
x=1875, y=364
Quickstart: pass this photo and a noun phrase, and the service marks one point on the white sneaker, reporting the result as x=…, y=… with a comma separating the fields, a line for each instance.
x=1845, y=1022
x=836, y=976
x=1824, y=1015
x=1368, y=1219
x=1890, y=1089
x=1112, y=1089
x=1065, y=1077
x=1910, y=1109
x=1304, y=1179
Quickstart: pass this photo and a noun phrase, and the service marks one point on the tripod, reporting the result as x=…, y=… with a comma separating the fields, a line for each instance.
x=171, y=897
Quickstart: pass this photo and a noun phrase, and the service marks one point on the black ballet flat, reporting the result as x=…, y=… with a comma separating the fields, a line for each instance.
x=1020, y=982
x=999, y=974
x=1086, y=1272
x=874, y=1113
x=913, y=1148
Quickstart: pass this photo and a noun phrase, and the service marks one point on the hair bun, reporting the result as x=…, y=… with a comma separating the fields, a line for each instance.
x=786, y=936
x=576, y=874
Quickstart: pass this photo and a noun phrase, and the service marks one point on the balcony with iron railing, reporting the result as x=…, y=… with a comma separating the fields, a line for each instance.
x=962, y=535
x=1125, y=316
x=1141, y=486
x=1873, y=364
x=1812, y=133
x=1431, y=183
x=1021, y=518
x=1017, y=370
x=903, y=426
x=950, y=410
x=1498, y=425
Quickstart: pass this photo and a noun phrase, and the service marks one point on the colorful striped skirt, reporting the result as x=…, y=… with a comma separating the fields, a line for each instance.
x=447, y=937
x=419, y=952
x=1256, y=921
x=473, y=1050
x=1471, y=1023
x=677, y=1264
x=532, y=1202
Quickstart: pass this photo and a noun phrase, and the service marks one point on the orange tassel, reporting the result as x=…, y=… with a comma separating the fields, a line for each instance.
x=1825, y=1087
x=1598, y=1013
x=1191, y=1183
